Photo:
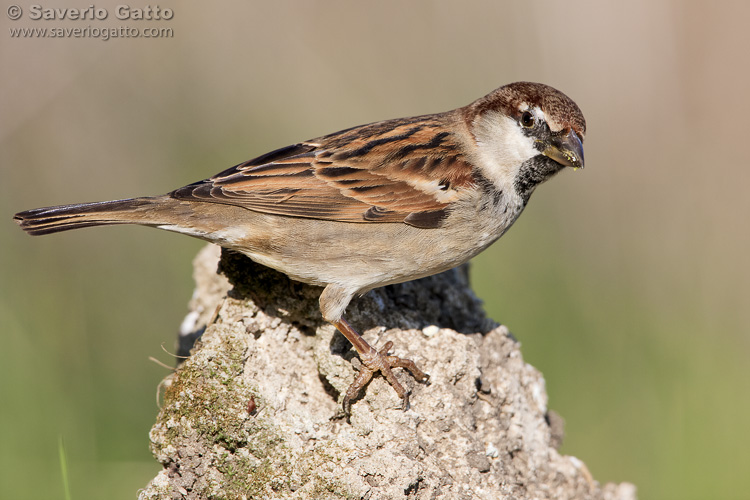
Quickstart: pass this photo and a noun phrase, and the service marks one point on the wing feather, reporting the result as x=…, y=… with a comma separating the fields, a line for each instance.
x=406, y=170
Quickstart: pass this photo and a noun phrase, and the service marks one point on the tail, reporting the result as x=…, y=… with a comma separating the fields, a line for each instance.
x=55, y=219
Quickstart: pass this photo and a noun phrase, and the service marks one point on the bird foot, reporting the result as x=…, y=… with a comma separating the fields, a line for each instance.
x=380, y=361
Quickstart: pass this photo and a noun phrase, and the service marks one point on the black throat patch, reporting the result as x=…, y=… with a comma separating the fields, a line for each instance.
x=533, y=172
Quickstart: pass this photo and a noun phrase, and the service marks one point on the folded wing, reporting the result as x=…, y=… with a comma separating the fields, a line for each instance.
x=405, y=171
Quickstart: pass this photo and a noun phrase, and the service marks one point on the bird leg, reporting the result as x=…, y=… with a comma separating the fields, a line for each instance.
x=374, y=361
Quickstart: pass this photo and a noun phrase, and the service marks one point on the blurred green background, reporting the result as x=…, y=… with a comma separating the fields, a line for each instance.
x=627, y=283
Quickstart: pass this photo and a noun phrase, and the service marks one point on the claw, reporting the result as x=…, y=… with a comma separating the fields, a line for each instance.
x=374, y=361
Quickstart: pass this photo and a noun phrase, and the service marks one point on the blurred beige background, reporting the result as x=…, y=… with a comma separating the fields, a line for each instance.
x=628, y=282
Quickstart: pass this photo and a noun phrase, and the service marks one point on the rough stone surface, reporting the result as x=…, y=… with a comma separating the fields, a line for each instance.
x=251, y=413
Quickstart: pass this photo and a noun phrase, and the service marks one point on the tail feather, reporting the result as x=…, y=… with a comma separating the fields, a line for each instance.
x=62, y=218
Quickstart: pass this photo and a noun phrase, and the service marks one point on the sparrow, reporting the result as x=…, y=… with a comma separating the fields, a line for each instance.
x=368, y=206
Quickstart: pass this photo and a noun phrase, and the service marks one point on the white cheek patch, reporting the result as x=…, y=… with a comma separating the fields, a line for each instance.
x=502, y=147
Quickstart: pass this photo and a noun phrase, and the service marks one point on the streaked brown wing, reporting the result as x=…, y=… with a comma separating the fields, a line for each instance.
x=406, y=170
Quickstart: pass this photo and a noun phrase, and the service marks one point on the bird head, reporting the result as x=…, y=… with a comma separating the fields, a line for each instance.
x=526, y=133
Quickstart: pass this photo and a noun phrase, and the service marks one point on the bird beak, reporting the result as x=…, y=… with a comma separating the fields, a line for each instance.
x=567, y=150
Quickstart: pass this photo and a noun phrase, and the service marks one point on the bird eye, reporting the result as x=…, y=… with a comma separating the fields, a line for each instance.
x=527, y=119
